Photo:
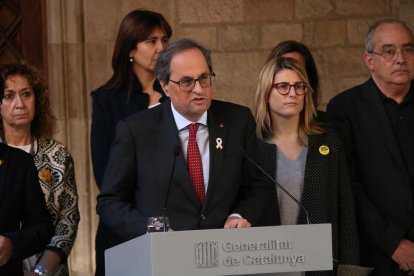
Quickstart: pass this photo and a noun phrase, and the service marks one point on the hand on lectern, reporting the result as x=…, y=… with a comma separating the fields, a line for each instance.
x=236, y=222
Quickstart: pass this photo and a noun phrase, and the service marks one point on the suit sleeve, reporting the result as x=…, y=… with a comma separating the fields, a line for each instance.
x=382, y=233
x=116, y=206
x=252, y=190
x=100, y=139
x=36, y=226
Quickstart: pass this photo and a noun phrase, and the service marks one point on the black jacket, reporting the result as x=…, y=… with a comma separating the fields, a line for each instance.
x=24, y=218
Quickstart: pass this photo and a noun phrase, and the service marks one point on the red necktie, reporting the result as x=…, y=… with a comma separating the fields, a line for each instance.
x=195, y=166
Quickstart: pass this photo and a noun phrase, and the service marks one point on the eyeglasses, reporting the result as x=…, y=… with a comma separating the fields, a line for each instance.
x=188, y=84
x=283, y=88
x=388, y=53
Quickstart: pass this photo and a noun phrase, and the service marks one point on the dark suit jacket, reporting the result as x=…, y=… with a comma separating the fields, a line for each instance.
x=382, y=186
x=108, y=107
x=327, y=194
x=137, y=177
x=24, y=218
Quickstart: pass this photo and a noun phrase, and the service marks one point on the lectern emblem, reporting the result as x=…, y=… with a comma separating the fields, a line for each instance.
x=206, y=254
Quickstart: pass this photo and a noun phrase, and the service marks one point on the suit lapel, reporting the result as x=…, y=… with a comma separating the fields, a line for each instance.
x=217, y=132
x=380, y=121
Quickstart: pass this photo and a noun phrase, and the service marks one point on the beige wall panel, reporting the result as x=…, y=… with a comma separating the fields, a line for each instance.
x=406, y=12
x=72, y=17
x=98, y=64
x=313, y=8
x=237, y=75
x=277, y=32
x=206, y=35
x=361, y=7
x=102, y=19
x=209, y=11
x=239, y=37
x=56, y=88
x=166, y=8
x=341, y=62
x=269, y=10
x=333, y=86
x=54, y=22
x=357, y=29
x=325, y=33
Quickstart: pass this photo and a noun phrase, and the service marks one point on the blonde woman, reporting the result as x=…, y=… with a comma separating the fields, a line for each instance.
x=306, y=159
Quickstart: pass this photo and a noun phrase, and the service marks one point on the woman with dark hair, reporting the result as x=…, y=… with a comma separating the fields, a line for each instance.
x=132, y=88
x=305, y=158
x=27, y=123
x=300, y=52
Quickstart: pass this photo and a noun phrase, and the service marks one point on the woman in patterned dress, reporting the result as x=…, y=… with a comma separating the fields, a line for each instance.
x=28, y=123
x=305, y=158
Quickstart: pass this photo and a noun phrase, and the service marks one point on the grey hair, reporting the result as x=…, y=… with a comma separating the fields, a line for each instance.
x=163, y=67
x=369, y=47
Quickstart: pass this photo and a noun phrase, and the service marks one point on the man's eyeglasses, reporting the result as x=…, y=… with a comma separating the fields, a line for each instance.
x=283, y=88
x=188, y=84
x=389, y=53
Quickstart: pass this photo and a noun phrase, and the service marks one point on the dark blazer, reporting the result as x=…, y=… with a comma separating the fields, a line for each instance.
x=108, y=107
x=137, y=177
x=327, y=194
x=24, y=218
x=382, y=186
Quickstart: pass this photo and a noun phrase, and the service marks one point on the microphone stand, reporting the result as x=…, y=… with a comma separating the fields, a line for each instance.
x=176, y=152
x=278, y=184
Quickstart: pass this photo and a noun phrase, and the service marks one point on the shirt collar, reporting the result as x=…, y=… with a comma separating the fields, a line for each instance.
x=408, y=98
x=183, y=122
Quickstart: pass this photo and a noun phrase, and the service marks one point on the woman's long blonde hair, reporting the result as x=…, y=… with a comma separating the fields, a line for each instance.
x=307, y=122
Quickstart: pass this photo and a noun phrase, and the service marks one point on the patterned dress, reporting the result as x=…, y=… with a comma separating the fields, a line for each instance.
x=57, y=179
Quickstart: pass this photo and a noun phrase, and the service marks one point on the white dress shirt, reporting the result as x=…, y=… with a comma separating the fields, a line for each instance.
x=202, y=140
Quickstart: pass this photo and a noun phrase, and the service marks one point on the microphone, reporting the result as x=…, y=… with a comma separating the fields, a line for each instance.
x=290, y=195
x=176, y=152
x=278, y=185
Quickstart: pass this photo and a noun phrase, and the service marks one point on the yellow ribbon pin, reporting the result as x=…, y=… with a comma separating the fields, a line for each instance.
x=324, y=150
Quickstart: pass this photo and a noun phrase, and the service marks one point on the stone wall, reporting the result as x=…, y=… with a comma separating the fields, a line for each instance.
x=240, y=34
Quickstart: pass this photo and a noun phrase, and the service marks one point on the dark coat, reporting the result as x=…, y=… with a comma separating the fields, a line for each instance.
x=382, y=185
x=327, y=194
x=108, y=107
x=137, y=177
x=24, y=218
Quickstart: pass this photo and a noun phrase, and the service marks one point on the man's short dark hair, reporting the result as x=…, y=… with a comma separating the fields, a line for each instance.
x=163, y=67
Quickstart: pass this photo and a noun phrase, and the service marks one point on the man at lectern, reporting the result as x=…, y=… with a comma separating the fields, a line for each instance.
x=186, y=158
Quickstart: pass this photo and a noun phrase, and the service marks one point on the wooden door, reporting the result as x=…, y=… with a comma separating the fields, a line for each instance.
x=23, y=33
